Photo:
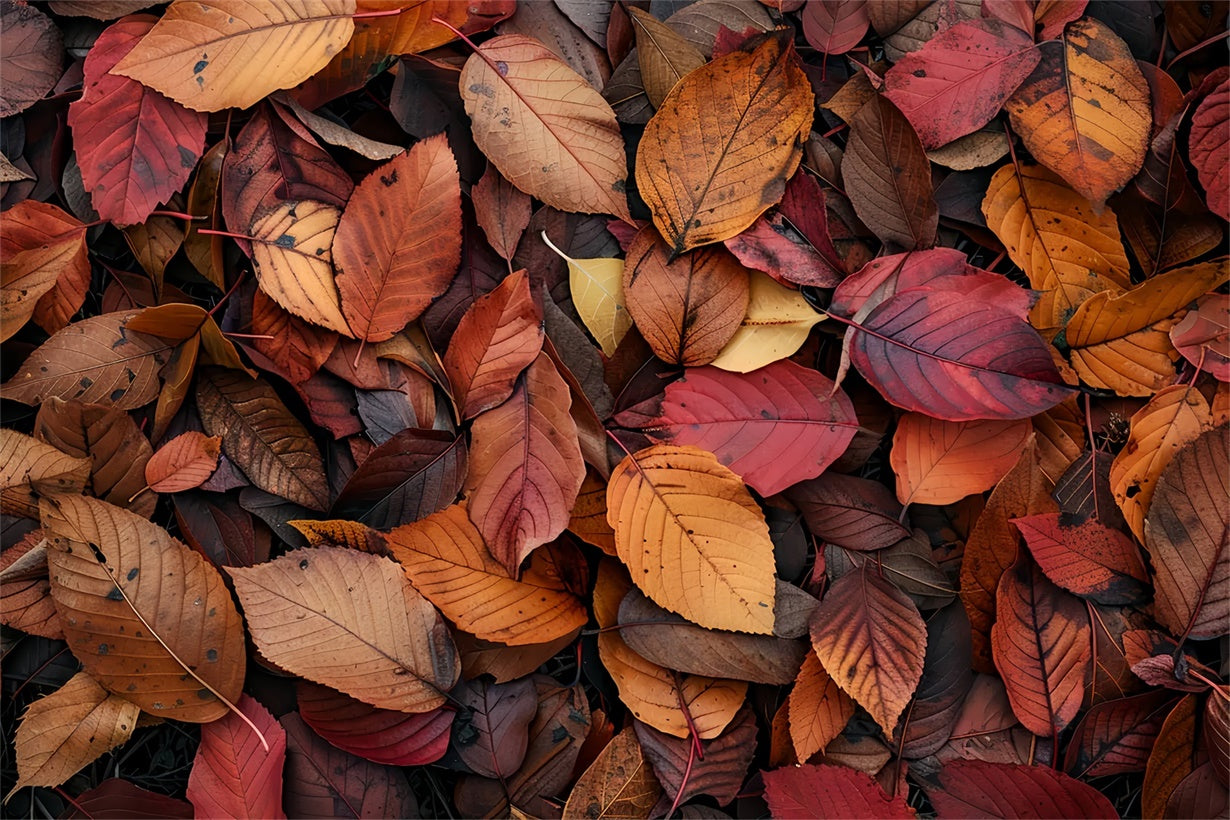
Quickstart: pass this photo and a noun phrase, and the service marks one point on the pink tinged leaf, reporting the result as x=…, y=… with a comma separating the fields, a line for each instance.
x=135, y=146
x=1209, y=144
x=774, y=427
x=1203, y=335
x=1116, y=736
x=379, y=735
x=830, y=791
x=233, y=774
x=835, y=26
x=793, y=243
x=977, y=789
x=958, y=81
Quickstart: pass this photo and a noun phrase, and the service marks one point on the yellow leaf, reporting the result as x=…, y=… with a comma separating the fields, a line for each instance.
x=693, y=539
x=214, y=54
x=292, y=252
x=1052, y=233
x=1122, y=342
x=598, y=293
x=776, y=325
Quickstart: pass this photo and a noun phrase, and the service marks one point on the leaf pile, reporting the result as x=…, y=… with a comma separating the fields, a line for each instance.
x=803, y=408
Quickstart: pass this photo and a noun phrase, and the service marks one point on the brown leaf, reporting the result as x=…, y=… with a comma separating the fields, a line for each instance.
x=398, y=243
x=127, y=593
x=718, y=769
x=386, y=645
x=492, y=728
x=34, y=49
x=665, y=56
x=502, y=210
x=261, y=436
x=43, y=263
x=618, y=784
x=291, y=252
x=25, y=590
x=413, y=474
x=699, y=196
x=31, y=468
x=184, y=462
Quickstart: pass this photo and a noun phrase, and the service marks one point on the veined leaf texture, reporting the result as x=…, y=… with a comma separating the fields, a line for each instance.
x=597, y=409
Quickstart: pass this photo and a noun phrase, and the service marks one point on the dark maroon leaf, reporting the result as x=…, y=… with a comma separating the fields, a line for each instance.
x=410, y=476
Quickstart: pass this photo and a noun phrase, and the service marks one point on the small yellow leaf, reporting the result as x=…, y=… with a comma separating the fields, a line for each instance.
x=292, y=251
x=598, y=293
x=776, y=325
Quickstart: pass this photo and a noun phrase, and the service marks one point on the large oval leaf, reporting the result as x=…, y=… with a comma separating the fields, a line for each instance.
x=1084, y=112
x=774, y=427
x=380, y=735
x=233, y=773
x=719, y=150
x=447, y=562
x=548, y=131
x=218, y=54
x=693, y=539
x=352, y=621
x=149, y=618
x=800, y=792
x=399, y=240
x=1187, y=532
x=135, y=147
x=1041, y=646
x=872, y=640
x=525, y=466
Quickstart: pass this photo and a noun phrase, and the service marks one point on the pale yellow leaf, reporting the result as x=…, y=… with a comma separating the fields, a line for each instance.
x=598, y=293
x=776, y=325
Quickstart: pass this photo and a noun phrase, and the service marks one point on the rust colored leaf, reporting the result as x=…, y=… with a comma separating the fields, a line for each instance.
x=693, y=539
x=618, y=784
x=1116, y=737
x=25, y=590
x=977, y=789
x=127, y=593
x=34, y=51
x=818, y=709
x=233, y=774
x=135, y=147
x=717, y=769
x=888, y=178
x=227, y=54
x=1090, y=559
x=686, y=309
x=119, y=799
x=1186, y=535
x=835, y=26
x=872, y=640
x=498, y=337
x=446, y=560
x=830, y=791
x=502, y=211
x=525, y=466
x=1207, y=144
x=352, y=621
x=261, y=436
x=700, y=194
x=294, y=348
x=957, y=82
x=65, y=731
x=940, y=462
x=398, y=243
x=44, y=268
x=774, y=427
x=380, y=735
x=547, y=131
x=96, y=360
x=184, y=462
x=1041, y=645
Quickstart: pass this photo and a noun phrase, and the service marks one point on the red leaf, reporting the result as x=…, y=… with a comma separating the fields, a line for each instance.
x=379, y=735
x=135, y=146
x=1041, y=644
x=121, y=800
x=774, y=427
x=184, y=462
x=957, y=82
x=399, y=240
x=830, y=791
x=977, y=789
x=525, y=466
x=718, y=771
x=1210, y=148
x=1089, y=559
x=233, y=775
x=835, y=26
x=1116, y=737
x=498, y=337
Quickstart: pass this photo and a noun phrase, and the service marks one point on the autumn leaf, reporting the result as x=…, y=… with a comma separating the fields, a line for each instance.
x=234, y=774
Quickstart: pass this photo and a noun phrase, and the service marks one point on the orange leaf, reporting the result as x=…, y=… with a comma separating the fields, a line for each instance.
x=1084, y=112
x=1042, y=648
x=25, y=590
x=939, y=462
x=818, y=709
x=399, y=240
x=447, y=562
x=719, y=150
x=42, y=251
x=502, y=210
x=183, y=462
x=525, y=466
x=693, y=539
x=1088, y=559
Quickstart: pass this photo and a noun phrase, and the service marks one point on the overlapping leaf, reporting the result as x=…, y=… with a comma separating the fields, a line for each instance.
x=939, y=462
x=380, y=735
x=234, y=774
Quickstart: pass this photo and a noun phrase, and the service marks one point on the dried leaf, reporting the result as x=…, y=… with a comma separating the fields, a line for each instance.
x=501, y=210
x=618, y=784
x=413, y=474
x=830, y=791
x=974, y=788
x=833, y=26
x=1089, y=559
x=1207, y=146
x=380, y=735
x=818, y=709
x=777, y=323
x=183, y=463
x=292, y=253
x=940, y=462
x=34, y=49
x=233, y=774
x=717, y=768
x=665, y=56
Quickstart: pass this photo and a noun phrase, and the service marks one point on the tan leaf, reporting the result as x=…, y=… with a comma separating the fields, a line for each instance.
x=548, y=131
x=29, y=467
x=719, y=150
x=183, y=462
x=352, y=621
x=665, y=56
x=693, y=539
x=25, y=591
x=216, y=54
x=64, y=732
x=149, y=618
x=292, y=253
x=618, y=784
x=446, y=560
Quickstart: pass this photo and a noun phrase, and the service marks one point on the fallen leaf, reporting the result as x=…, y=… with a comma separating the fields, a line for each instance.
x=777, y=323
x=736, y=101
x=1207, y=146
x=619, y=783
x=940, y=462
x=221, y=54
x=502, y=210
x=975, y=788
x=32, y=468
x=380, y=735
x=818, y=709
x=833, y=26
x=413, y=474
x=44, y=267
x=386, y=645
x=34, y=48
x=184, y=462
x=597, y=292
x=664, y=55
x=233, y=774
x=1203, y=335
x=292, y=254
x=1089, y=559
x=717, y=769
x=830, y=791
